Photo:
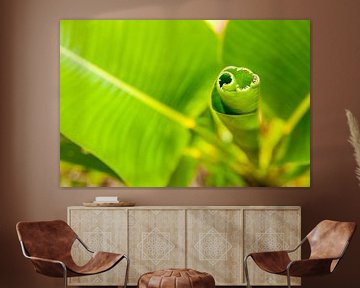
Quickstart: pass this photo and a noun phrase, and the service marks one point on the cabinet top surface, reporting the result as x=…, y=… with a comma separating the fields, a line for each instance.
x=193, y=207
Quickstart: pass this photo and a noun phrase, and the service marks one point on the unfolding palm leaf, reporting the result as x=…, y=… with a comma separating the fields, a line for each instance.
x=235, y=99
x=130, y=90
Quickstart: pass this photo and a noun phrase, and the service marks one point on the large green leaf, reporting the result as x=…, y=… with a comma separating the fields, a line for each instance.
x=279, y=52
x=131, y=89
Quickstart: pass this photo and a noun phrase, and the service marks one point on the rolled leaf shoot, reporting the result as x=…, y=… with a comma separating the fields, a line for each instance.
x=235, y=100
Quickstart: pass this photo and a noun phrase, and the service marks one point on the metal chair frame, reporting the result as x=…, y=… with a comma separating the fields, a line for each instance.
x=26, y=255
x=288, y=276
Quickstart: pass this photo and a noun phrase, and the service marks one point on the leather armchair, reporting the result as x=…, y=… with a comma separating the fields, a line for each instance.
x=48, y=245
x=328, y=242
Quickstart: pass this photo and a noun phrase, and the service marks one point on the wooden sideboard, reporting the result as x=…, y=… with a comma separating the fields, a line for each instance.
x=212, y=239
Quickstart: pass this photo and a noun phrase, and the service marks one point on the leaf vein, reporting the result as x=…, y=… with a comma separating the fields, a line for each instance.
x=131, y=90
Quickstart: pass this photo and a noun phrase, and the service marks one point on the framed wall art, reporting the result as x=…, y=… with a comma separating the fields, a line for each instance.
x=185, y=103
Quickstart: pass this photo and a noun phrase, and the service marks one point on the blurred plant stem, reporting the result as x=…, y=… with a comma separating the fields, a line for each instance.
x=296, y=116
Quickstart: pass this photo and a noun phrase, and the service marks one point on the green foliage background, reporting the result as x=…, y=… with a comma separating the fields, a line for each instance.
x=135, y=103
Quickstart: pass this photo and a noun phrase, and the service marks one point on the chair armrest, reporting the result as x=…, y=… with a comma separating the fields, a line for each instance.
x=268, y=254
x=298, y=246
x=309, y=267
x=46, y=260
x=280, y=251
x=48, y=267
x=84, y=245
x=271, y=261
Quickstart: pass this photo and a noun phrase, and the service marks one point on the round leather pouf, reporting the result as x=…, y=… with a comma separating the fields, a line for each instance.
x=176, y=278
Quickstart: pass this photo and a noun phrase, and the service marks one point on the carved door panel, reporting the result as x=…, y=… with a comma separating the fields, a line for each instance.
x=214, y=244
x=156, y=240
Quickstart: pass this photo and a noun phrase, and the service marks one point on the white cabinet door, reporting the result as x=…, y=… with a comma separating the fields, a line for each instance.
x=156, y=240
x=214, y=244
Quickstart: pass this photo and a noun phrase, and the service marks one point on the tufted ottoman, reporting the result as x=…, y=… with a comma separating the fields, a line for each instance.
x=176, y=278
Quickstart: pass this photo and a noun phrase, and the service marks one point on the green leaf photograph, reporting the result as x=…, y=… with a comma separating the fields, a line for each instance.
x=185, y=103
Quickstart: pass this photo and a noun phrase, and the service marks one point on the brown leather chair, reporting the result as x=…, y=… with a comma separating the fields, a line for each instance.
x=48, y=245
x=328, y=242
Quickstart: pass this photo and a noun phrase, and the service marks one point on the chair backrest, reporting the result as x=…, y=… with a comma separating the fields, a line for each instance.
x=329, y=239
x=46, y=239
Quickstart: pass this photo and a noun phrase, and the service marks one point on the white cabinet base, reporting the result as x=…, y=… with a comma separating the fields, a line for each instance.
x=210, y=239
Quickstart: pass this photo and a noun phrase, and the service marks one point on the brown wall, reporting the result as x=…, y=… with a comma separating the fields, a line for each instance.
x=29, y=119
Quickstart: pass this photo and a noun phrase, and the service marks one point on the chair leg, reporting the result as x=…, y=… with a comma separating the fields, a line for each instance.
x=288, y=278
x=246, y=270
x=65, y=276
x=127, y=271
